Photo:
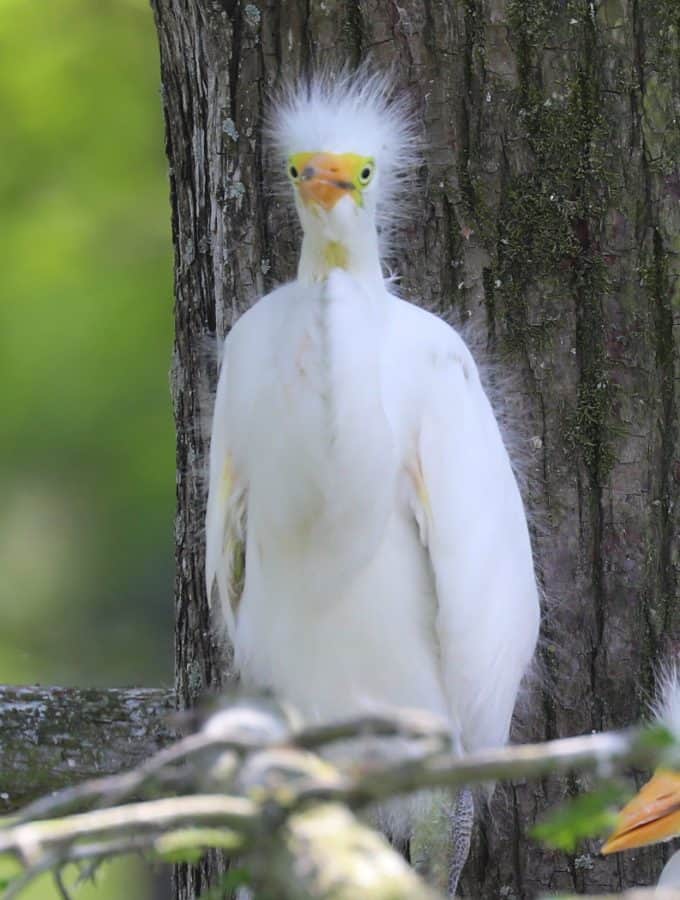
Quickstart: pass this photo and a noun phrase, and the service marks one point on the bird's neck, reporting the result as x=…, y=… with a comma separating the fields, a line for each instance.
x=357, y=254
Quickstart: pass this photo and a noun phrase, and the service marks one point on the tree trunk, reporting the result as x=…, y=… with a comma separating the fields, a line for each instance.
x=548, y=217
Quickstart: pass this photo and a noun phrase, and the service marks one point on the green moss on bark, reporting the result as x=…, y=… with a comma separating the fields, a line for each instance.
x=550, y=220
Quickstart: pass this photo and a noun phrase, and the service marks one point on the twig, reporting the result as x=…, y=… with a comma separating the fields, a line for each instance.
x=604, y=754
x=411, y=724
x=61, y=887
x=115, y=788
x=238, y=813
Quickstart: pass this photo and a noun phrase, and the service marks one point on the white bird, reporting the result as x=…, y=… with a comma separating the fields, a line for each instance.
x=364, y=531
x=653, y=815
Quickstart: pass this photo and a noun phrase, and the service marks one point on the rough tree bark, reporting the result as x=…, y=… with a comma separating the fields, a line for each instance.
x=548, y=215
x=54, y=737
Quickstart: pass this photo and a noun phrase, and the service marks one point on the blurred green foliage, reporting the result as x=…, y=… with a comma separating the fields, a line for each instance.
x=583, y=816
x=115, y=880
x=86, y=446
x=86, y=440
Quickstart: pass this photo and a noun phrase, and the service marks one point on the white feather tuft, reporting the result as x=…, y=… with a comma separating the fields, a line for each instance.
x=351, y=112
x=666, y=707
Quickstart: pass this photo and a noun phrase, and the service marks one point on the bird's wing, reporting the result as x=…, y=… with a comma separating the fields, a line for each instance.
x=473, y=523
x=225, y=521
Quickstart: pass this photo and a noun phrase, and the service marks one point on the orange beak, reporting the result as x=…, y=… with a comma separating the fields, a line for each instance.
x=653, y=815
x=325, y=179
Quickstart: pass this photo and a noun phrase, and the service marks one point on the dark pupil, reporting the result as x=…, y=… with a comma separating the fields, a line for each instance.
x=365, y=173
x=293, y=172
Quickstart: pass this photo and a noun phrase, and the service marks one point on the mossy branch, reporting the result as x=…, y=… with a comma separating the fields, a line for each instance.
x=55, y=736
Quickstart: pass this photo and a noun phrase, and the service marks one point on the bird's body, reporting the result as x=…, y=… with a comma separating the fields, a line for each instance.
x=340, y=406
x=364, y=526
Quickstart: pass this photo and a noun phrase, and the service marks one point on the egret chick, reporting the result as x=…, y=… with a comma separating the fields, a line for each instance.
x=365, y=534
x=653, y=815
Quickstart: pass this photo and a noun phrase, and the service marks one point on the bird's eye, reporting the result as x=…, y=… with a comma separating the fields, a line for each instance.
x=293, y=172
x=366, y=173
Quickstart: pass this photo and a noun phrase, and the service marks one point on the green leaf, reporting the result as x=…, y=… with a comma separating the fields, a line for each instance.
x=587, y=815
x=233, y=879
x=189, y=844
x=190, y=855
x=658, y=737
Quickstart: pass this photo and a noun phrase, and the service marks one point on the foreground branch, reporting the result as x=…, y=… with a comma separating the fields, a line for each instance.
x=253, y=787
x=31, y=840
x=604, y=754
x=325, y=852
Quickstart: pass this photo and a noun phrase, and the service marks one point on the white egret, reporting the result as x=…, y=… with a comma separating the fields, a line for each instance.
x=653, y=815
x=365, y=532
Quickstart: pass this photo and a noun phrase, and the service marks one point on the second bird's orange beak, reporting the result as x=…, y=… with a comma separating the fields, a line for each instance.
x=325, y=179
x=653, y=815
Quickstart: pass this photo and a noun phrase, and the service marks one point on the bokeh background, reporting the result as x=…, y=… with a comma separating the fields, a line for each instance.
x=86, y=433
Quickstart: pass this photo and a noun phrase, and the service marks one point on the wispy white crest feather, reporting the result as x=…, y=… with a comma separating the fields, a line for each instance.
x=666, y=707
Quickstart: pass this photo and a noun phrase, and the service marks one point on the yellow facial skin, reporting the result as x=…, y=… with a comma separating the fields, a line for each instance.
x=322, y=179
x=653, y=815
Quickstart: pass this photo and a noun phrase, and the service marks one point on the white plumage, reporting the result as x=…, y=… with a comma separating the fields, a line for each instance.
x=355, y=455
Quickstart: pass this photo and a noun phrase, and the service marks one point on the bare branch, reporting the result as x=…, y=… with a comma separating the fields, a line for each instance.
x=61, y=887
x=32, y=839
x=412, y=724
x=604, y=754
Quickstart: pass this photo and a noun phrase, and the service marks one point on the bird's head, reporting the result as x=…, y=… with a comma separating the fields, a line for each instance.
x=335, y=192
x=653, y=815
x=345, y=144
